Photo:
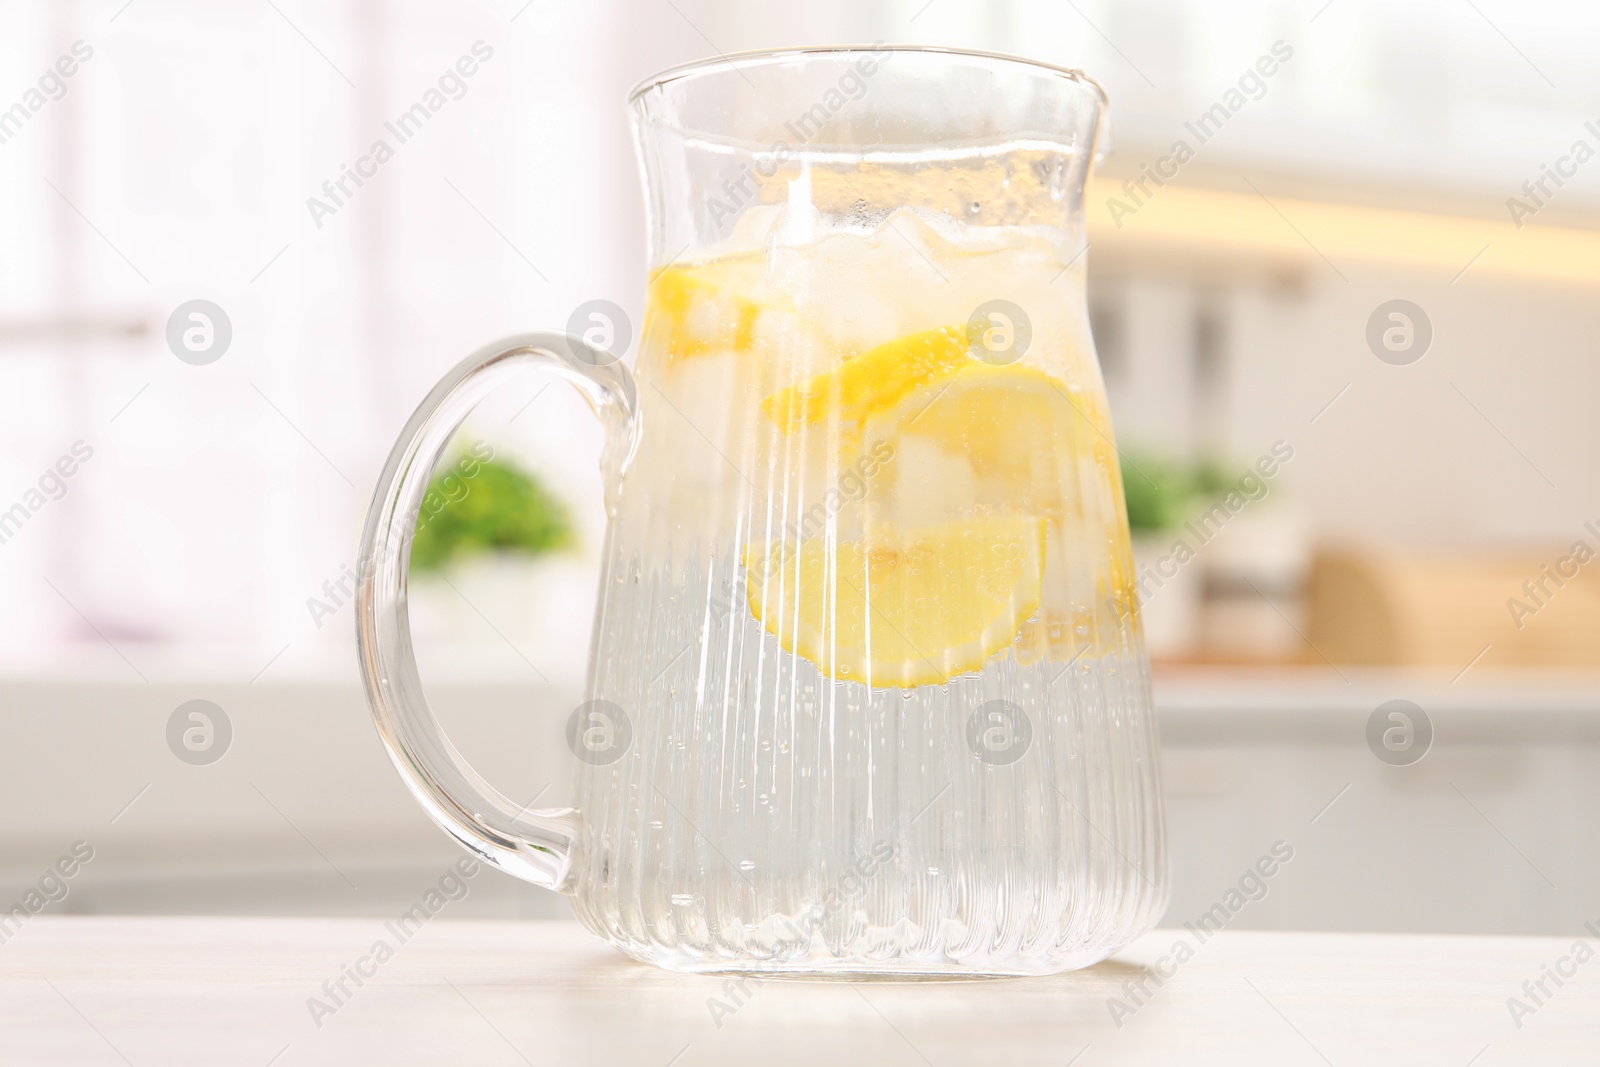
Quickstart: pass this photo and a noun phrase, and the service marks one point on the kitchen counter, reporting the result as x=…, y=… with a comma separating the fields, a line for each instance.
x=1491, y=833
x=176, y=991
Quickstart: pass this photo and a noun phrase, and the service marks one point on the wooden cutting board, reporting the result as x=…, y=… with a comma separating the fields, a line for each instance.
x=1539, y=608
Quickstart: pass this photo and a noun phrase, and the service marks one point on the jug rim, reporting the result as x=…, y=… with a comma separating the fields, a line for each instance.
x=729, y=59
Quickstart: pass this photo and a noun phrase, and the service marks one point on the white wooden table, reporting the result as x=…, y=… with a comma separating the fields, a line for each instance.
x=169, y=992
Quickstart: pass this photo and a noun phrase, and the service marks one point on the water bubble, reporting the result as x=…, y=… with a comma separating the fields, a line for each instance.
x=682, y=900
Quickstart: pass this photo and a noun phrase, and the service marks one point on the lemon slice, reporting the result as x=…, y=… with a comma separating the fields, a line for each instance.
x=905, y=611
x=1004, y=418
x=1020, y=440
x=1031, y=442
x=873, y=381
x=705, y=307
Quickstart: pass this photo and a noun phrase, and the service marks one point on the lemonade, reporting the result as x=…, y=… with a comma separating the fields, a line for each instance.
x=881, y=517
x=991, y=519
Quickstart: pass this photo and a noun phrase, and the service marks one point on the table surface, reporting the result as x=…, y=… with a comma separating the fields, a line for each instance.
x=175, y=991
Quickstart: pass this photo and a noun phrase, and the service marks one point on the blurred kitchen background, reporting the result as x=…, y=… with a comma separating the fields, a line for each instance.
x=1376, y=277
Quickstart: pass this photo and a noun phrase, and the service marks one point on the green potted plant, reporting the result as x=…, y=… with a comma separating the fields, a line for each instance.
x=1218, y=559
x=1161, y=494
x=487, y=507
x=486, y=536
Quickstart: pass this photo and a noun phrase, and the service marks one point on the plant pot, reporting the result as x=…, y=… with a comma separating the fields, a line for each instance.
x=541, y=606
x=1170, y=586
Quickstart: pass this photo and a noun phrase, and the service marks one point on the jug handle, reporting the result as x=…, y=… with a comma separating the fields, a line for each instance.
x=534, y=845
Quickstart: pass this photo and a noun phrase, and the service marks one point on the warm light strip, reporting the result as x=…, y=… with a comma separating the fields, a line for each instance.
x=1207, y=220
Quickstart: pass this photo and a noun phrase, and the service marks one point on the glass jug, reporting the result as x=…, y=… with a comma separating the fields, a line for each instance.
x=867, y=689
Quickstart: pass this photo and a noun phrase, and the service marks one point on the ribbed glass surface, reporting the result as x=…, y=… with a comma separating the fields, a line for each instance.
x=867, y=669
